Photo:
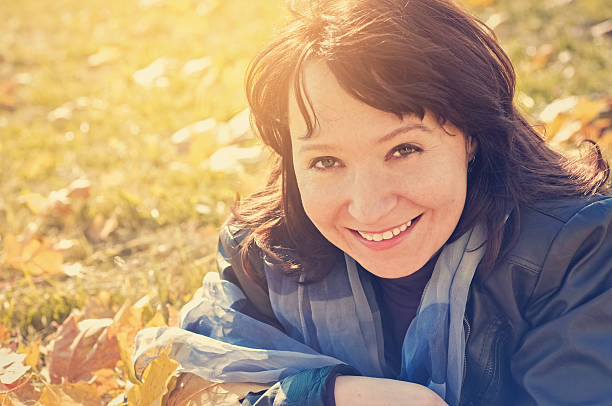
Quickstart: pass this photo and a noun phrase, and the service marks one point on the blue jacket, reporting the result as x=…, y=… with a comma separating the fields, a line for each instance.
x=538, y=327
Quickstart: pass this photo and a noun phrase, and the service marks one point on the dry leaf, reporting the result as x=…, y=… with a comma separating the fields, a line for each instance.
x=155, y=380
x=79, y=188
x=36, y=202
x=12, y=367
x=70, y=394
x=22, y=393
x=32, y=353
x=106, y=382
x=80, y=348
x=5, y=333
x=104, y=55
x=100, y=228
x=8, y=99
x=173, y=316
x=34, y=257
x=192, y=390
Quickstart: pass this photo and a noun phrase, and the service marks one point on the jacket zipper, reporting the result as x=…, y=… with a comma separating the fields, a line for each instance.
x=467, y=336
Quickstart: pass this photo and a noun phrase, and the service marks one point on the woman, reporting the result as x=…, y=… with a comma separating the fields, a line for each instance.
x=417, y=242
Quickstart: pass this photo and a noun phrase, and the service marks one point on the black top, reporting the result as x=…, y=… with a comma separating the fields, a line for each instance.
x=399, y=300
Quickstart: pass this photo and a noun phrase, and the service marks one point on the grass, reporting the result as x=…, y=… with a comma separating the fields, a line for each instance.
x=117, y=133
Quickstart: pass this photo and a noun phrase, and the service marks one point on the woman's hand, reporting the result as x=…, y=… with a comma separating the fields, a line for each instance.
x=361, y=390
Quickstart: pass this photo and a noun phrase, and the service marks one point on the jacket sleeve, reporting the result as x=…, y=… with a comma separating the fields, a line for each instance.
x=566, y=356
x=314, y=386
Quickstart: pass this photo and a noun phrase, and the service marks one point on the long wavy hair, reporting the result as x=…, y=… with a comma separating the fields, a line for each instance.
x=403, y=57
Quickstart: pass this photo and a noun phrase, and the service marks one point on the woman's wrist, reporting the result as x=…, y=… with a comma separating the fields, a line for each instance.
x=360, y=390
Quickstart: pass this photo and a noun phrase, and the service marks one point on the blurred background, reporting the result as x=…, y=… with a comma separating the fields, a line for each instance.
x=124, y=137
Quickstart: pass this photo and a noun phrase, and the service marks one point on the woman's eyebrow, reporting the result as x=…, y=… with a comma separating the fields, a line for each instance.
x=403, y=129
x=308, y=145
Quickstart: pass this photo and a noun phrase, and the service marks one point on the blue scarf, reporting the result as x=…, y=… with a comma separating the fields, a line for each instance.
x=334, y=321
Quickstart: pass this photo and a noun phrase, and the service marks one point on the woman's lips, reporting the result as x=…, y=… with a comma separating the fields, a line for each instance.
x=388, y=238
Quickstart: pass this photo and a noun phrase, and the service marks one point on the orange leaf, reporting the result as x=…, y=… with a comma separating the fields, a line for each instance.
x=5, y=334
x=79, y=188
x=80, y=348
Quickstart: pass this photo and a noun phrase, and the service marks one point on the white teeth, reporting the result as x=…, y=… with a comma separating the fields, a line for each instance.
x=387, y=235
x=366, y=236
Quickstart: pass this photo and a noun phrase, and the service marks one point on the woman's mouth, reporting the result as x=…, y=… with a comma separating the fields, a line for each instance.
x=386, y=238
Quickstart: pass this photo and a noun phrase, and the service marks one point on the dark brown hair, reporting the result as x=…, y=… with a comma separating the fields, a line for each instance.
x=403, y=57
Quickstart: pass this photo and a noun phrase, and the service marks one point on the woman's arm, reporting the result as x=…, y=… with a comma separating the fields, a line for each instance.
x=361, y=390
x=566, y=357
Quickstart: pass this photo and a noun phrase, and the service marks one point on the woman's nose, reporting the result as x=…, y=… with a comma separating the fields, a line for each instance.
x=370, y=198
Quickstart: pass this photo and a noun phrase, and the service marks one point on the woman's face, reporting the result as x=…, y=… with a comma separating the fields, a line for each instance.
x=386, y=191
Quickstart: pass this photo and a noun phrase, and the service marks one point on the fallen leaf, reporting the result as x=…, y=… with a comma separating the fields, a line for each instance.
x=36, y=202
x=101, y=228
x=80, y=348
x=232, y=159
x=5, y=333
x=12, y=367
x=158, y=320
x=542, y=56
x=79, y=188
x=192, y=390
x=104, y=55
x=63, y=112
x=20, y=394
x=155, y=380
x=151, y=75
x=106, y=382
x=184, y=137
x=196, y=66
x=556, y=107
x=70, y=394
x=8, y=97
x=32, y=353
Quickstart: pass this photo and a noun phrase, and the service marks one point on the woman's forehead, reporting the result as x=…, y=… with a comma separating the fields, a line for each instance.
x=328, y=105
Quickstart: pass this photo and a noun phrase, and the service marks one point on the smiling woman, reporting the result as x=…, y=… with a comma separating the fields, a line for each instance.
x=417, y=241
x=364, y=173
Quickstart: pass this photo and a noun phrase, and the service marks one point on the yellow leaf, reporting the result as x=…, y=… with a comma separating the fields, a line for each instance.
x=155, y=381
x=49, y=261
x=36, y=202
x=12, y=248
x=5, y=400
x=126, y=350
x=587, y=110
x=32, y=352
x=157, y=321
x=70, y=394
x=30, y=249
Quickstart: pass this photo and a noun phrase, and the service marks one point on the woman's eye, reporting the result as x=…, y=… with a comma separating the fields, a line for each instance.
x=324, y=163
x=403, y=150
